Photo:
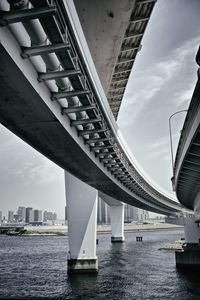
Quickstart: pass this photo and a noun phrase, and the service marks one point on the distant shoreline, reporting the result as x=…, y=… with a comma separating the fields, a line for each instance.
x=101, y=229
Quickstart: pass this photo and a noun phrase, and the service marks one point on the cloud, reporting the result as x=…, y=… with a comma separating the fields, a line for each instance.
x=161, y=148
x=23, y=163
x=184, y=96
x=149, y=83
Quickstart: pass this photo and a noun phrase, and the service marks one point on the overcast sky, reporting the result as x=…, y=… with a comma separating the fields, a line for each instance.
x=162, y=82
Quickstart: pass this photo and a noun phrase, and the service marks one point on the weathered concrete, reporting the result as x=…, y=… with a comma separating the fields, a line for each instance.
x=116, y=217
x=82, y=265
x=117, y=239
x=82, y=220
x=104, y=31
x=189, y=258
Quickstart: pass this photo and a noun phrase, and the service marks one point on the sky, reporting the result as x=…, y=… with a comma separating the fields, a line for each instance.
x=161, y=82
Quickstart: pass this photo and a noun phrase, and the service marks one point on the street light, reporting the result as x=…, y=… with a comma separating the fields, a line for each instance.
x=171, y=144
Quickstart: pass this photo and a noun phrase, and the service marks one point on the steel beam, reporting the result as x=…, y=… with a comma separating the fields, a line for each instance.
x=109, y=159
x=145, y=1
x=122, y=70
x=85, y=121
x=139, y=19
x=117, y=88
x=119, y=79
x=101, y=147
x=58, y=74
x=74, y=109
x=92, y=131
x=193, y=169
x=115, y=96
x=25, y=15
x=130, y=48
x=90, y=141
x=105, y=154
x=133, y=35
x=69, y=94
x=124, y=60
x=39, y=50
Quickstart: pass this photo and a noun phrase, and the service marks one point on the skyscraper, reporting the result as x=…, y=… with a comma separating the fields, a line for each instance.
x=37, y=215
x=10, y=216
x=143, y=214
x=29, y=215
x=22, y=214
x=1, y=218
x=103, y=212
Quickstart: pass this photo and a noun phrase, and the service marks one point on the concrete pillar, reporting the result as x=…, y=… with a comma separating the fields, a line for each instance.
x=116, y=217
x=82, y=220
x=117, y=223
x=190, y=256
x=192, y=231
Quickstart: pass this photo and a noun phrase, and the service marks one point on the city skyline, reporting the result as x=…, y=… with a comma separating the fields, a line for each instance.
x=22, y=214
x=162, y=81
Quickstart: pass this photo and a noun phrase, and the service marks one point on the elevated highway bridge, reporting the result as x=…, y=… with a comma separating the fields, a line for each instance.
x=64, y=102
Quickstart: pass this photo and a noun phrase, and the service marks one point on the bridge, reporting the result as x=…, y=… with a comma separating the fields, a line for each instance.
x=63, y=97
x=186, y=179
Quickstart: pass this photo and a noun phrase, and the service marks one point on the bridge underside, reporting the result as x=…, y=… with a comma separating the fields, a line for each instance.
x=187, y=166
x=24, y=113
x=36, y=111
x=114, y=30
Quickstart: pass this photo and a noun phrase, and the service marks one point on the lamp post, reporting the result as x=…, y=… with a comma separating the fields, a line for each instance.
x=171, y=144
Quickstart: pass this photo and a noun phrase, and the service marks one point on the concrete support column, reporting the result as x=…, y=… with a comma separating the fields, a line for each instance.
x=190, y=256
x=82, y=220
x=116, y=217
x=192, y=231
x=117, y=223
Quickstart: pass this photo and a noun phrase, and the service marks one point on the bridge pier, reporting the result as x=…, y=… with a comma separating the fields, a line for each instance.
x=190, y=256
x=117, y=223
x=82, y=219
x=116, y=217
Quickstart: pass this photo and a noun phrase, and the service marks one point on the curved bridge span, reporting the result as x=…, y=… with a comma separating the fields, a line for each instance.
x=52, y=98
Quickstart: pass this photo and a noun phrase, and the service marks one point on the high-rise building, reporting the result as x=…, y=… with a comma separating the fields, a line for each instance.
x=66, y=213
x=49, y=216
x=37, y=215
x=29, y=215
x=103, y=212
x=45, y=216
x=130, y=213
x=54, y=216
x=10, y=216
x=143, y=215
x=22, y=214
x=16, y=218
x=1, y=217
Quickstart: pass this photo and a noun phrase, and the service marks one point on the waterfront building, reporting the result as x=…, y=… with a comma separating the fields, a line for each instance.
x=16, y=218
x=130, y=213
x=10, y=216
x=103, y=212
x=54, y=216
x=143, y=215
x=66, y=213
x=37, y=215
x=29, y=215
x=21, y=214
x=1, y=217
x=49, y=216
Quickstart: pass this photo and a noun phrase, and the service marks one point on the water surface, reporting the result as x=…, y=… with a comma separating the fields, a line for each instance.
x=36, y=266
